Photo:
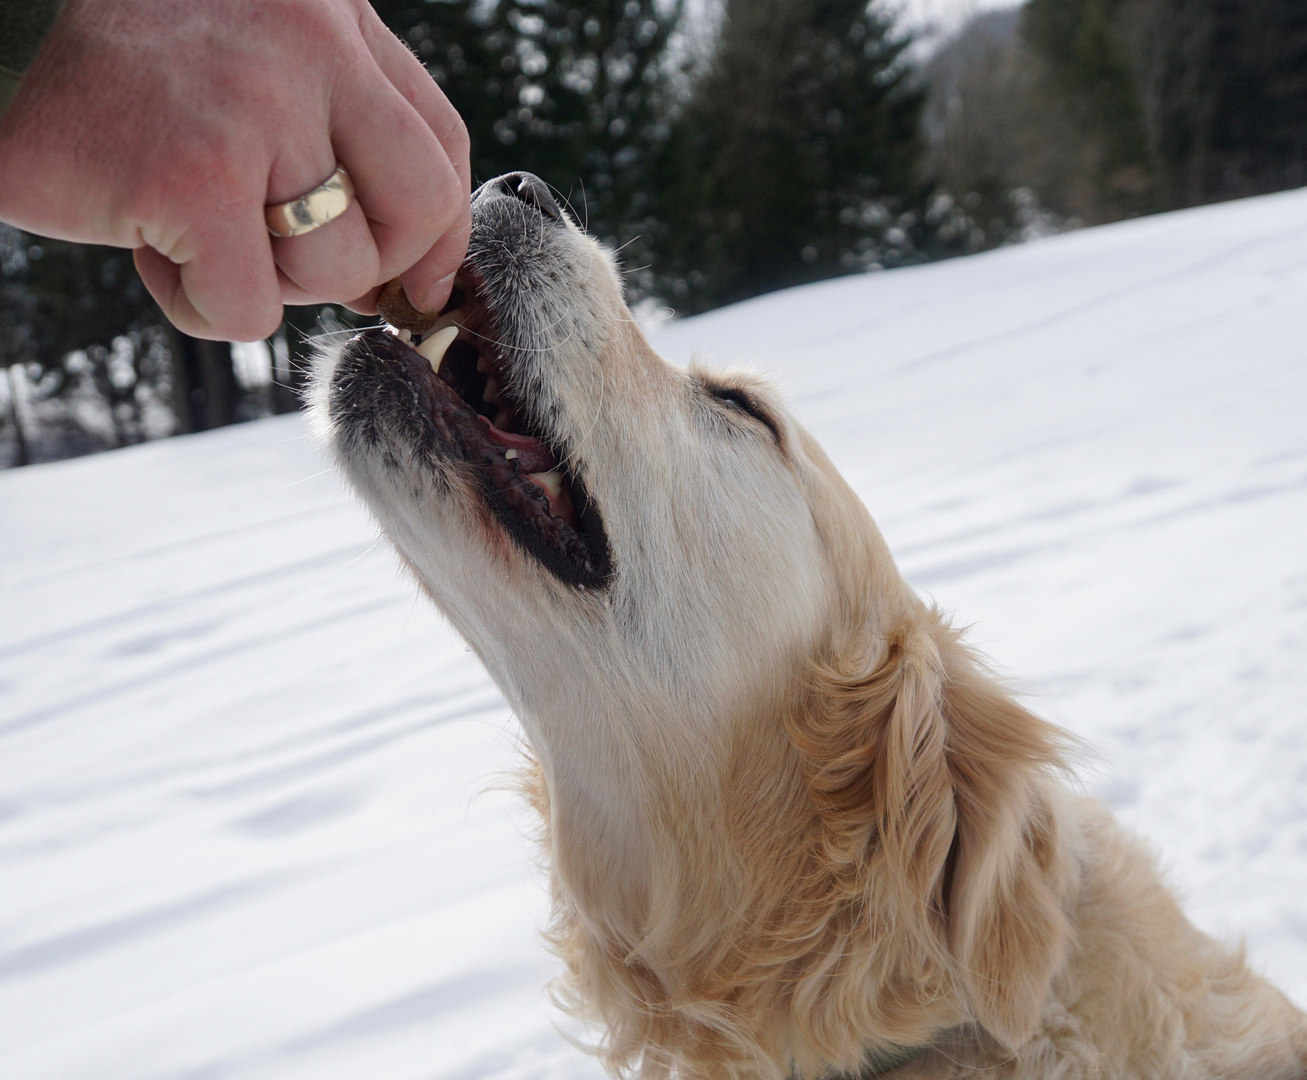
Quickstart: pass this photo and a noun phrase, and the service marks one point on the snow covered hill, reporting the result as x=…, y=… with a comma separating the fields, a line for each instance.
x=249, y=821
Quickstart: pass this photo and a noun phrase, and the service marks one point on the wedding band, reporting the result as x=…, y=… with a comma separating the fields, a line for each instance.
x=312, y=210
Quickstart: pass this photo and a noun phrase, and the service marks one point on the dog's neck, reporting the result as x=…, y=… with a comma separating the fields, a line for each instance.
x=689, y=874
x=655, y=799
x=696, y=882
x=643, y=829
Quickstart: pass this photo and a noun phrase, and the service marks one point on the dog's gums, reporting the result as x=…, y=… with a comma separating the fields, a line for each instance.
x=465, y=389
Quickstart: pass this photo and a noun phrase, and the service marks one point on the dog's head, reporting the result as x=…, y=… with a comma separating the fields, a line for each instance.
x=570, y=499
x=701, y=628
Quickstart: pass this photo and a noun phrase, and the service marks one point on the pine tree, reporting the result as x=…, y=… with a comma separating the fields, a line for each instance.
x=1087, y=62
x=101, y=368
x=571, y=91
x=1186, y=101
x=796, y=158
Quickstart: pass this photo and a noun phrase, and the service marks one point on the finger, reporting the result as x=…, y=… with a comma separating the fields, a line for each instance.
x=294, y=296
x=429, y=281
x=403, y=178
x=407, y=185
x=410, y=78
x=333, y=263
x=431, y=278
x=336, y=261
x=367, y=303
x=231, y=285
x=161, y=277
x=227, y=292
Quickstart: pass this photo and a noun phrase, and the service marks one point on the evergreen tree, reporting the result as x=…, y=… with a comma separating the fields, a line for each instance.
x=571, y=91
x=796, y=158
x=1248, y=133
x=100, y=365
x=1186, y=101
x=1087, y=63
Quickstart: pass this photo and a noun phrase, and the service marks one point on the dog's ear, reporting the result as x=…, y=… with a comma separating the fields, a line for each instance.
x=926, y=772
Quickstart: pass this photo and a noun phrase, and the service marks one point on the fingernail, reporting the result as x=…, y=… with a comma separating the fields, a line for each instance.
x=436, y=296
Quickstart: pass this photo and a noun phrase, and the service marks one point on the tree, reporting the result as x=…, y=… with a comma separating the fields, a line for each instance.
x=1006, y=156
x=796, y=158
x=574, y=92
x=1189, y=101
x=100, y=365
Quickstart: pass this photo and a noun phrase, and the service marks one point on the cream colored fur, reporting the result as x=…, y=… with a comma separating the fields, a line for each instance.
x=791, y=818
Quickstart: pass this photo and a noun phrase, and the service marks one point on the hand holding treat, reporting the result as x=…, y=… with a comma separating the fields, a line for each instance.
x=255, y=153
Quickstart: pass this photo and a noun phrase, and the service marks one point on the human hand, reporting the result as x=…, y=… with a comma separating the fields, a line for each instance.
x=167, y=125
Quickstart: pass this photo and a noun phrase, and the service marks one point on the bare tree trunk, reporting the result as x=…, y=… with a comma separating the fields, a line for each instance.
x=16, y=418
x=222, y=394
x=205, y=393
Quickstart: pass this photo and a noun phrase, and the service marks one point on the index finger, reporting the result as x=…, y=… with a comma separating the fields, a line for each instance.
x=414, y=82
x=428, y=281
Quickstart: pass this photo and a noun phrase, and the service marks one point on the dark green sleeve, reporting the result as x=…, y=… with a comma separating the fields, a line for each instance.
x=23, y=26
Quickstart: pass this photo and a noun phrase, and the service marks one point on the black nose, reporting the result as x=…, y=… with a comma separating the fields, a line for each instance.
x=530, y=189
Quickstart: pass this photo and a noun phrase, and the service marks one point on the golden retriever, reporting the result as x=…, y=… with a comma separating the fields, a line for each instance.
x=795, y=826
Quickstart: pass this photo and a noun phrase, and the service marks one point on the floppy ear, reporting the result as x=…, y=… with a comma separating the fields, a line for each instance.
x=924, y=770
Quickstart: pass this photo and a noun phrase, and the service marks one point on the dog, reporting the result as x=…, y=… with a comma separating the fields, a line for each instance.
x=796, y=828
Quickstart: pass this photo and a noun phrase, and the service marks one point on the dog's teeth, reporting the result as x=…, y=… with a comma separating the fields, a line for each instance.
x=551, y=481
x=447, y=319
x=510, y=454
x=406, y=336
x=434, y=347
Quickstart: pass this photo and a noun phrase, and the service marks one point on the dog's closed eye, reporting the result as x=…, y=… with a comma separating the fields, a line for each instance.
x=745, y=403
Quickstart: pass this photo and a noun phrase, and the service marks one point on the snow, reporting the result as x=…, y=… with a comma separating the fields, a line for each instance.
x=254, y=808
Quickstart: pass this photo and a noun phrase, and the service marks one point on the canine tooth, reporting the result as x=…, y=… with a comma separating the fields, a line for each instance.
x=551, y=481
x=510, y=454
x=447, y=319
x=406, y=336
x=434, y=347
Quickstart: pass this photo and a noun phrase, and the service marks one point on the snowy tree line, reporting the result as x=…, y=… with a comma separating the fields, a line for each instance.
x=729, y=150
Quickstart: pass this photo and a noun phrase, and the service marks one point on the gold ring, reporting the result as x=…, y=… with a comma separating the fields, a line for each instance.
x=312, y=210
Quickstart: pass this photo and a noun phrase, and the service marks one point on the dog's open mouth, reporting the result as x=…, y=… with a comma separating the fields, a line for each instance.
x=527, y=478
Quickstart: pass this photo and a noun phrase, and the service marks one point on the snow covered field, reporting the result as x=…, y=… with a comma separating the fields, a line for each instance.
x=248, y=821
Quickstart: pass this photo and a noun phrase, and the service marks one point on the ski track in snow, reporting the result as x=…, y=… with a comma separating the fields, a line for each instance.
x=253, y=817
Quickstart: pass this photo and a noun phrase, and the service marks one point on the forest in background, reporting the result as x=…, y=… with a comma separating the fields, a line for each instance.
x=730, y=152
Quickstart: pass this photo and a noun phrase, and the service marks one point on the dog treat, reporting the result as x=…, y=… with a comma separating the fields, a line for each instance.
x=393, y=306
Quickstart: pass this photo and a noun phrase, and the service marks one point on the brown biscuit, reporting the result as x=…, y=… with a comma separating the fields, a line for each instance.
x=393, y=306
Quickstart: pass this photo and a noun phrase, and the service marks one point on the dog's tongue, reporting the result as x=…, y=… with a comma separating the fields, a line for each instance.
x=533, y=456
